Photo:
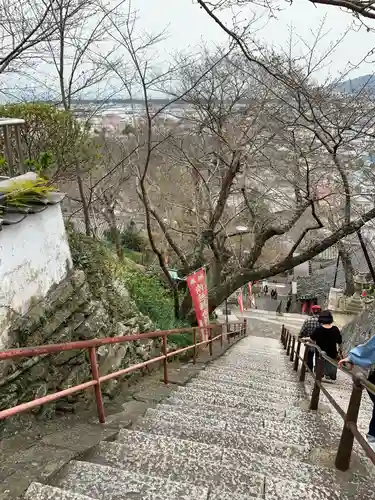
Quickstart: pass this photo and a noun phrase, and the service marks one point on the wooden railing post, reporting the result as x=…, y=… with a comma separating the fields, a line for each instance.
x=296, y=360
x=314, y=403
x=293, y=347
x=344, y=452
x=286, y=339
x=96, y=376
x=289, y=343
x=165, y=360
x=302, y=375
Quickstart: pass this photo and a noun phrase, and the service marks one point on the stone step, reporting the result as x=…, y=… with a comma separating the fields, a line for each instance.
x=310, y=420
x=217, y=412
x=113, y=482
x=250, y=381
x=277, y=440
x=247, y=389
x=216, y=393
x=205, y=398
x=178, y=460
x=246, y=373
x=245, y=425
x=231, y=471
x=38, y=491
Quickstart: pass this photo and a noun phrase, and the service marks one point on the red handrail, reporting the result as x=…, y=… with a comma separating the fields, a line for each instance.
x=96, y=380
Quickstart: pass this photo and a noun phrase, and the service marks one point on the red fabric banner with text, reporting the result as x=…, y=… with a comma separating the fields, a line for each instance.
x=199, y=295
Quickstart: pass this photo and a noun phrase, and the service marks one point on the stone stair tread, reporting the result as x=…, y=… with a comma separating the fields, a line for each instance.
x=237, y=472
x=248, y=399
x=241, y=390
x=261, y=441
x=38, y=491
x=224, y=455
x=206, y=399
x=220, y=431
x=189, y=467
x=223, y=413
x=245, y=374
x=282, y=489
x=275, y=384
x=102, y=481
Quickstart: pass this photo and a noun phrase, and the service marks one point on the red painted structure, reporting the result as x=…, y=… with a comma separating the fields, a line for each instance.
x=216, y=333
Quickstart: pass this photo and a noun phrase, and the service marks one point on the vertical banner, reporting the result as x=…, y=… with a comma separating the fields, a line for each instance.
x=240, y=300
x=198, y=290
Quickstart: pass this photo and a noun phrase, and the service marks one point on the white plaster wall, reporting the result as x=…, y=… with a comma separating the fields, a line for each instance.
x=34, y=255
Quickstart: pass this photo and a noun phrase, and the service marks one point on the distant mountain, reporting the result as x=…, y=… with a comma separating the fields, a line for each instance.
x=356, y=84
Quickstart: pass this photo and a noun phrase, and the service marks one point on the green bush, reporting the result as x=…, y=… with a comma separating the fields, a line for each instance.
x=149, y=293
x=131, y=239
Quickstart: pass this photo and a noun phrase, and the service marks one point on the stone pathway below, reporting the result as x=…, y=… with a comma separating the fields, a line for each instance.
x=238, y=430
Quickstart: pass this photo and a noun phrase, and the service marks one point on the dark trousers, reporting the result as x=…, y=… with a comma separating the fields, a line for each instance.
x=372, y=397
x=330, y=370
x=310, y=358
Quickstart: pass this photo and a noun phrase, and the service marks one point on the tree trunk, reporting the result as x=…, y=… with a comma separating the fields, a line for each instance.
x=85, y=208
x=115, y=233
x=348, y=269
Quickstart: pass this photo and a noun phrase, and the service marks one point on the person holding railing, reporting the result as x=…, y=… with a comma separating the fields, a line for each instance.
x=364, y=356
x=307, y=329
x=327, y=336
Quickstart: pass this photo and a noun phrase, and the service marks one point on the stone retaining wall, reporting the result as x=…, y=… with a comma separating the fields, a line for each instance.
x=70, y=313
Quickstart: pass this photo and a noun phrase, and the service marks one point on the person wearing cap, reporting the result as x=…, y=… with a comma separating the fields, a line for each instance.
x=364, y=356
x=307, y=329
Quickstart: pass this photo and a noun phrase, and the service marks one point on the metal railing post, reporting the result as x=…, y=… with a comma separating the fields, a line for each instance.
x=296, y=360
x=302, y=375
x=221, y=335
x=314, y=403
x=195, y=346
x=165, y=360
x=344, y=452
x=293, y=347
x=245, y=326
x=210, y=342
x=97, y=388
x=282, y=334
x=289, y=343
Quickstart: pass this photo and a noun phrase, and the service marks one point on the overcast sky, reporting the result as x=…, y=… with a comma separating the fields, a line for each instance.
x=188, y=25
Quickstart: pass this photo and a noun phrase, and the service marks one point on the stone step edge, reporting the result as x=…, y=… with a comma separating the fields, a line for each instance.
x=139, y=476
x=177, y=440
x=263, y=475
x=40, y=491
x=153, y=415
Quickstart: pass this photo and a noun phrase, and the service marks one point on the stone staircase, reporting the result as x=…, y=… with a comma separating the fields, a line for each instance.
x=237, y=431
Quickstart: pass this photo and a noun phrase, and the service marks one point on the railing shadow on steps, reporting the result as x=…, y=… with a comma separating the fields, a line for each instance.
x=212, y=333
x=292, y=345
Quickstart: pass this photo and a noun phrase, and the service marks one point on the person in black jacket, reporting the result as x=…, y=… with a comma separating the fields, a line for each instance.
x=327, y=336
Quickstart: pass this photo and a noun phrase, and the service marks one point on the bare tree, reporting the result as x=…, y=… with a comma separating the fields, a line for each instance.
x=25, y=25
x=257, y=149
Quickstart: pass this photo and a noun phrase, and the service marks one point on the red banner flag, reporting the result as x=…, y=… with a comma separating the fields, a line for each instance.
x=240, y=300
x=199, y=295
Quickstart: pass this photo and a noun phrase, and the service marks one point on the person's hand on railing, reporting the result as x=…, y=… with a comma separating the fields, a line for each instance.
x=346, y=361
